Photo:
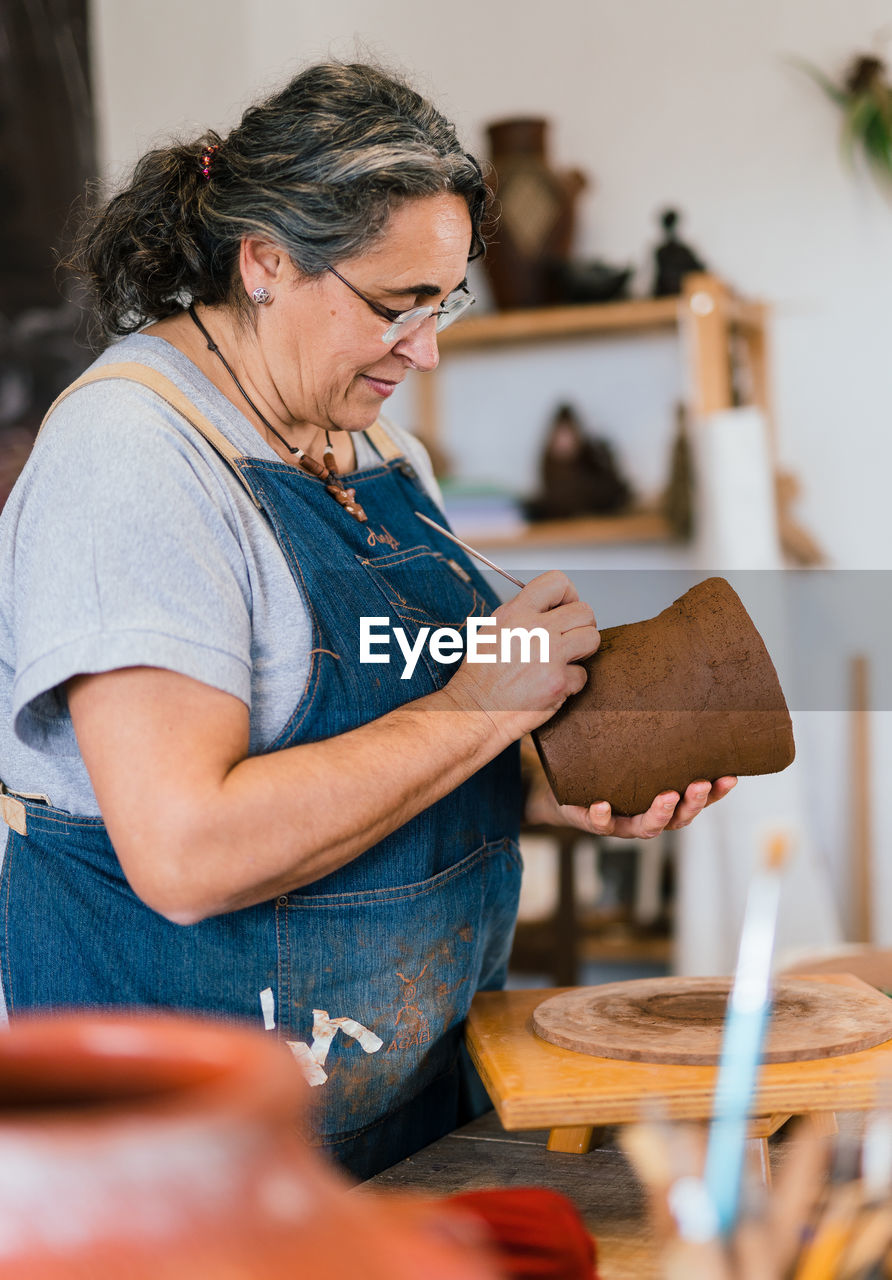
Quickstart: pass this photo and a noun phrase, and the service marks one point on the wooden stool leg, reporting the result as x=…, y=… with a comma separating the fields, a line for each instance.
x=824, y=1123
x=759, y=1130
x=757, y=1160
x=575, y=1139
x=765, y=1126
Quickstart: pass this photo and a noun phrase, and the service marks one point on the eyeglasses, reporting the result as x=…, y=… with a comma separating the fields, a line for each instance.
x=402, y=323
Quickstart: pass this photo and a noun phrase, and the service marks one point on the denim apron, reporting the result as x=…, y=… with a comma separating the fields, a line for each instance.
x=367, y=973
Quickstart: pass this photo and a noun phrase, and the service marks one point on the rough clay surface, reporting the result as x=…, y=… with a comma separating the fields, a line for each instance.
x=690, y=694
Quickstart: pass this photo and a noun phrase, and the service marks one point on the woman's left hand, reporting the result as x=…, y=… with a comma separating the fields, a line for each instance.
x=668, y=812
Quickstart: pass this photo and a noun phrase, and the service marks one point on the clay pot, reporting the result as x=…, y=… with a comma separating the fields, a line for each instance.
x=536, y=215
x=689, y=694
x=164, y=1148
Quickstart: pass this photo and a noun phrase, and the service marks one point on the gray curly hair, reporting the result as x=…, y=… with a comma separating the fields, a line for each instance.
x=317, y=168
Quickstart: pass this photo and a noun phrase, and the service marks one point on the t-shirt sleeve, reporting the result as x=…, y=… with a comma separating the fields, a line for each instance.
x=127, y=553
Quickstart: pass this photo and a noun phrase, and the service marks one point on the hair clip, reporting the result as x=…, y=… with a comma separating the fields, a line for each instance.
x=206, y=157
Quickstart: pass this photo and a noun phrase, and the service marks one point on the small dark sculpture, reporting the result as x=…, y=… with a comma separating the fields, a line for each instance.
x=594, y=281
x=579, y=475
x=674, y=259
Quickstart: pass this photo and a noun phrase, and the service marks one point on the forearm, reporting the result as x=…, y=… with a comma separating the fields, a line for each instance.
x=283, y=820
x=201, y=828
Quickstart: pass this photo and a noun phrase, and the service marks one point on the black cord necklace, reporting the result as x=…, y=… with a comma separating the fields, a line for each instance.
x=327, y=472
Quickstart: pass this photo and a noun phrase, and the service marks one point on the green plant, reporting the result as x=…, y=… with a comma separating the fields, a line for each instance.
x=865, y=98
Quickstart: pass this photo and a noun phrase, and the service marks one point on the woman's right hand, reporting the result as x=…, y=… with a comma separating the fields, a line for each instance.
x=519, y=696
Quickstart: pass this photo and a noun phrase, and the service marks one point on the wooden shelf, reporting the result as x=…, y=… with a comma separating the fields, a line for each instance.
x=636, y=527
x=719, y=333
x=628, y=948
x=535, y=950
x=539, y=324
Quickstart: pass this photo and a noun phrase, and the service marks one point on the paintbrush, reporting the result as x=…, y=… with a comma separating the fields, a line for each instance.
x=821, y=1257
x=796, y=1194
x=478, y=555
x=871, y=1235
x=749, y=1006
x=869, y=1244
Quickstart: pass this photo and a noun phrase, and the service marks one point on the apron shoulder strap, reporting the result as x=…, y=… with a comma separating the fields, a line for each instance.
x=381, y=441
x=162, y=386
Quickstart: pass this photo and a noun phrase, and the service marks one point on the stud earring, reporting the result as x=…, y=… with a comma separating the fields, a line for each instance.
x=261, y=295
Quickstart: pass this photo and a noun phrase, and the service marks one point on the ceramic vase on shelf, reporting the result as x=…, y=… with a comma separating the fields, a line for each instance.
x=690, y=694
x=143, y=1147
x=536, y=206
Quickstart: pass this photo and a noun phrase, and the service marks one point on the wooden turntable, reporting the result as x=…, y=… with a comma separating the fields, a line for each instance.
x=678, y=1020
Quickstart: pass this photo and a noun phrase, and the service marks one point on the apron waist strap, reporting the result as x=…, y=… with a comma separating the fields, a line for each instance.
x=13, y=811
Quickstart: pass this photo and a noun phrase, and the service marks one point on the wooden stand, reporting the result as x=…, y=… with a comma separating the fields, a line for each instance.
x=537, y=1085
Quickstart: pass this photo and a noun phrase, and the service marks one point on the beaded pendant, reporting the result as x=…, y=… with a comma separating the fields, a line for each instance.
x=328, y=473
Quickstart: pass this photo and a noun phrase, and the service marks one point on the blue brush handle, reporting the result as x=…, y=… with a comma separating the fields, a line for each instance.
x=741, y=1055
x=749, y=1008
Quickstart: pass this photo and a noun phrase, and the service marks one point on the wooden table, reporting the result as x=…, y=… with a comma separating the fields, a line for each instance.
x=601, y=1184
x=536, y=1085
x=870, y=964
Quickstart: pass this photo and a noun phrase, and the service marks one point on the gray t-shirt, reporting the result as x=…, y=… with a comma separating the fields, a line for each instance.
x=128, y=542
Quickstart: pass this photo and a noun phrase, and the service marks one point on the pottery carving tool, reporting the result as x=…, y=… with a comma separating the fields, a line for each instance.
x=478, y=555
x=749, y=1007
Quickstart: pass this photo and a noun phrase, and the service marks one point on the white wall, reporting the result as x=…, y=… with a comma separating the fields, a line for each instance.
x=691, y=103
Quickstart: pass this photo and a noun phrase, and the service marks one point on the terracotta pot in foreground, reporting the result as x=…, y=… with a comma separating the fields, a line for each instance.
x=689, y=694
x=164, y=1148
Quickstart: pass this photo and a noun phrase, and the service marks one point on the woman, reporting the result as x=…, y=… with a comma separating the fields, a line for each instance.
x=214, y=805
